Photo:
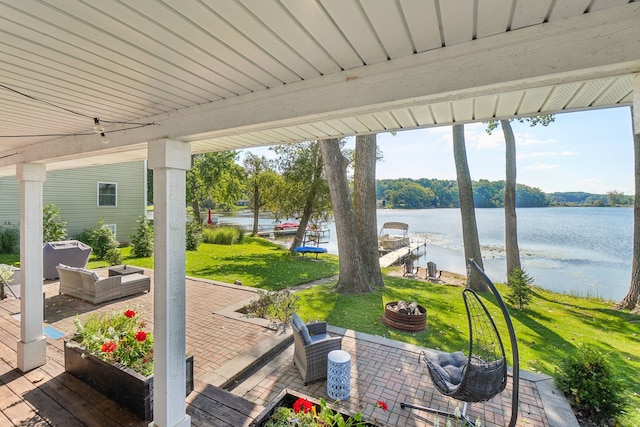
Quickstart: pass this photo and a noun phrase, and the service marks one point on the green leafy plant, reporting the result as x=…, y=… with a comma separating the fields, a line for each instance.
x=118, y=338
x=222, y=235
x=9, y=240
x=142, y=240
x=193, y=232
x=104, y=243
x=304, y=413
x=279, y=305
x=587, y=378
x=520, y=292
x=53, y=228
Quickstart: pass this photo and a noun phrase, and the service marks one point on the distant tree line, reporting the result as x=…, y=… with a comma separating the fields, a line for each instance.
x=407, y=193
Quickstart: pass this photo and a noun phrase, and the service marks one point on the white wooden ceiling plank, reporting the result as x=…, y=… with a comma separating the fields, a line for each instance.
x=287, y=134
x=388, y=23
x=163, y=34
x=528, y=13
x=603, y=4
x=278, y=19
x=357, y=29
x=387, y=120
x=276, y=136
x=355, y=124
x=423, y=115
x=370, y=121
x=341, y=127
x=233, y=44
x=324, y=127
x=64, y=89
x=313, y=132
x=566, y=8
x=457, y=21
x=314, y=19
x=463, y=110
x=560, y=96
x=265, y=137
x=245, y=22
x=404, y=118
x=95, y=48
x=442, y=112
x=588, y=93
x=533, y=100
x=485, y=106
x=627, y=99
x=508, y=104
x=615, y=92
x=422, y=20
x=493, y=17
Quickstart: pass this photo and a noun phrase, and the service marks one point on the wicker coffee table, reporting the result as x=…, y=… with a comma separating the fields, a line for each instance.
x=124, y=270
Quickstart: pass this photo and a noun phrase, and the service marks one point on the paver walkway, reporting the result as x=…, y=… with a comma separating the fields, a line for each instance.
x=225, y=345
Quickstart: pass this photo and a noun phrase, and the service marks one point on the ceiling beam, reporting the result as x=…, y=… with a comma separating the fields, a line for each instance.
x=589, y=46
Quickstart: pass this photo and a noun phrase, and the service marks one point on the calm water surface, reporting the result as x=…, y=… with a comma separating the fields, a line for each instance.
x=580, y=251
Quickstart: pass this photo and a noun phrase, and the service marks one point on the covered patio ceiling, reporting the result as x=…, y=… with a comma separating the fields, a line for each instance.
x=232, y=74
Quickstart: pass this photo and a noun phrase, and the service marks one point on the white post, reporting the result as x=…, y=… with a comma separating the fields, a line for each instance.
x=635, y=106
x=32, y=346
x=169, y=161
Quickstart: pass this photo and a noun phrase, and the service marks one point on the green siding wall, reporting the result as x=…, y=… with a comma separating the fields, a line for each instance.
x=75, y=193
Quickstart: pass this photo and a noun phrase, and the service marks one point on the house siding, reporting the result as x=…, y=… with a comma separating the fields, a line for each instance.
x=75, y=193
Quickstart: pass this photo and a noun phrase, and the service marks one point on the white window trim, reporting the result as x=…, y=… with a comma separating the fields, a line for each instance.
x=98, y=194
x=113, y=228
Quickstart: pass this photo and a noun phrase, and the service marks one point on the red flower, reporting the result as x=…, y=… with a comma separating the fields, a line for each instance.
x=130, y=313
x=141, y=336
x=108, y=347
x=303, y=405
x=383, y=405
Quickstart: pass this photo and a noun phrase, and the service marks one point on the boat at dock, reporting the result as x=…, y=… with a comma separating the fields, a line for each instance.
x=393, y=236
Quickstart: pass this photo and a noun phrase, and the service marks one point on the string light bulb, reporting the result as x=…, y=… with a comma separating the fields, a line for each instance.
x=97, y=126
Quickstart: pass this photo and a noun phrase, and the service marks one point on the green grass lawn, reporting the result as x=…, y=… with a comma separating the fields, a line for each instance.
x=551, y=328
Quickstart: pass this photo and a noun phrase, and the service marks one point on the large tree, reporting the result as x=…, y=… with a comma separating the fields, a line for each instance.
x=303, y=191
x=632, y=300
x=510, y=219
x=353, y=278
x=467, y=209
x=364, y=203
x=261, y=181
x=214, y=176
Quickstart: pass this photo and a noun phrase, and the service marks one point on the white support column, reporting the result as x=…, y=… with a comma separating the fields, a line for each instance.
x=169, y=161
x=635, y=106
x=32, y=347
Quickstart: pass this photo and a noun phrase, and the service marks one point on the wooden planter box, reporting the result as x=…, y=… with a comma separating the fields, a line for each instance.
x=287, y=398
x=120, y=384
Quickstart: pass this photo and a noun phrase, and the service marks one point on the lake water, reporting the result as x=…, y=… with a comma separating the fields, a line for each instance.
x=579, y=251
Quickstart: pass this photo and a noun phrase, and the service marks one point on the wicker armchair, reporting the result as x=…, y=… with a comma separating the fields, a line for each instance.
x=312, y=345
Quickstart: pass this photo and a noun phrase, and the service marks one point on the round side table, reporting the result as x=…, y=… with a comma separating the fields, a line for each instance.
x=338, y=374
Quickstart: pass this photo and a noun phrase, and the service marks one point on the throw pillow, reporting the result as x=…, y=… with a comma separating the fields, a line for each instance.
x=302, y=328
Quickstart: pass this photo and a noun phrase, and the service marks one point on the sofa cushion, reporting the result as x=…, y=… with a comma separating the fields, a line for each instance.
x=302, y=328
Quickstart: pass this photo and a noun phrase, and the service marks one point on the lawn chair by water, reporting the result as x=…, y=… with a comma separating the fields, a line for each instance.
x=409, y=269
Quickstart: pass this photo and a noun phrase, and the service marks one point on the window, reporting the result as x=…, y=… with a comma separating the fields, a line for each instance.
x=112, y=228
x=107, y=194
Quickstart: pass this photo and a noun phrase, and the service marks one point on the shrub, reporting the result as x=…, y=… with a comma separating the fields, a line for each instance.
x=520, y=291
x=104, y=244
x=193, y=232
x=85, y=236
x=142, y=240
x=53, y=228
x=9, y=240
x=586, y=377
x=279, y=305
x=223, y=235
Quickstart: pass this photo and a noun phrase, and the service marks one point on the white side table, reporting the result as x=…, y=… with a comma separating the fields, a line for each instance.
x=339, y=374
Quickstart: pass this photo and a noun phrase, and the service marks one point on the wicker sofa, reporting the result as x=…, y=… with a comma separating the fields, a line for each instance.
x=89, y=286
x=312, y=345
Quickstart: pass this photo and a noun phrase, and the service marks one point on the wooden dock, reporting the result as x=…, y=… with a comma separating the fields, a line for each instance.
x=398, y=255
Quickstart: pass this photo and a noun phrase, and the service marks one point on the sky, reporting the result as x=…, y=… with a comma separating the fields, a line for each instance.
x=590, y=151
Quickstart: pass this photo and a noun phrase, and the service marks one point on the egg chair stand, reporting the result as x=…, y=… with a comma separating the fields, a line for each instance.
x=482, y=374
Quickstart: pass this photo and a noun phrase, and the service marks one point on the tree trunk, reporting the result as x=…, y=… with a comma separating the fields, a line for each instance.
x=307, y=211
x=352, y=279
x=364, y=203
x=632, y=300
x=510, y=220
x=467, y=210
x=256, y=210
